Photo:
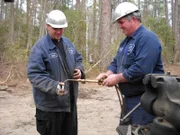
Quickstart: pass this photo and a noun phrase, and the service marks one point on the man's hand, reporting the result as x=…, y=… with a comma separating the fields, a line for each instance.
x=60, y=89
x=101, y=76
x=114, y=79
x=111, y=80
x=77, y=74
x=104, y=75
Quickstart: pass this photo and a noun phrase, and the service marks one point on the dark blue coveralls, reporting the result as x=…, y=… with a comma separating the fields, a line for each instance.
x=138, y=55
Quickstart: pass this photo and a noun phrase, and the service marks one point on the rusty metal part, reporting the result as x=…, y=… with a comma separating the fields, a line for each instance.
x=85, y=80
x=62, y=92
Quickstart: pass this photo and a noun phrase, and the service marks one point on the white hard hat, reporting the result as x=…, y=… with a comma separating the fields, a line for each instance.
x=124, y=9
x=56, y=19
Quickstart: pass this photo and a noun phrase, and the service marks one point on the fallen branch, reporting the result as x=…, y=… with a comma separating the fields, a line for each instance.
x=1, y=83
x=98, y=62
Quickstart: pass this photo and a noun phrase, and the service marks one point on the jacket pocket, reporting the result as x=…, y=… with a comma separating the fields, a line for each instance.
x=63, y=101
x=50, y=101
x=128, y=60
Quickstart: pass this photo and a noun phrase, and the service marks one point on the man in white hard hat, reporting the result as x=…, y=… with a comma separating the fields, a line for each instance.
x=138, y=54
x=52, y=60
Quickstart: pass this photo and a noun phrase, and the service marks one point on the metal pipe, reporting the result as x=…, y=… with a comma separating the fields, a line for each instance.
x=84, y=80
x=130, y=112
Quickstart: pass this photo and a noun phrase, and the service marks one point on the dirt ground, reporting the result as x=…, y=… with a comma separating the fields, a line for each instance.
x=98, y=109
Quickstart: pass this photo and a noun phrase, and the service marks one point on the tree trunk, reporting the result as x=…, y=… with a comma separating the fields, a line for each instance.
x=138, y=4
x=87, y=34
x=30, y=25
x=173, y=16
x=11, y=32
x=145, y=11
x=19, y=21
x=83, y=5
x=155, y=9
x=42, y=20
x=104, y=30
x=166, y=12
x=176, y=32
x=1, y=11
x=78, y=4
x=94, y=35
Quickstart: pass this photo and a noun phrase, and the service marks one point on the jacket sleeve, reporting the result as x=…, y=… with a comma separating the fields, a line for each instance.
x=37, y=73
x=113, y=66
x=79, y=64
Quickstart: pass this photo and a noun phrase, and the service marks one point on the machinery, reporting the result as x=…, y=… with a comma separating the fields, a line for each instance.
x=8, y=0
x=162, y=99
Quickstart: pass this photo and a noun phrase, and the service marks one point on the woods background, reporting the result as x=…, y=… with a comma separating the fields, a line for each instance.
x=90, y=28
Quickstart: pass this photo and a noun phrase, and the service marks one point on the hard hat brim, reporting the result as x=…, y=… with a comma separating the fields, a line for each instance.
x=124, y=9
x=58, y=26
x=115, y=21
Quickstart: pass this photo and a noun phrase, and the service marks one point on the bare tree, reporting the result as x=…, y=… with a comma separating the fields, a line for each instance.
x=87, y=34
x=78, y=4
x=94, y=22
x=1, y=10
x=30, y=8
x=19, y=19
x=155, y=8
x=83, y=5
x=175, y=31
x=139, y=4
x=42, y=16
x=11, y=32
x=145, y=10
x=104, y=29
x=166, y=12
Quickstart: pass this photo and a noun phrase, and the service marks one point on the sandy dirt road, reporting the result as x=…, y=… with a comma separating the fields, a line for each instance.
x=98, y=110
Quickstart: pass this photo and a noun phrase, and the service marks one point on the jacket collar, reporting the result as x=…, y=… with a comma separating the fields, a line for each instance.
x=137, y=31
x=49, y=43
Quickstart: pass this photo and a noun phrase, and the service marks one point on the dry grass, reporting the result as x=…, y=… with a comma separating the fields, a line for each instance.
x=16, y=74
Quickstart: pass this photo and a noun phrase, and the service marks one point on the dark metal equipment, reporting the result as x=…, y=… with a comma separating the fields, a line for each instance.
x=162, y=99
x=8, y=0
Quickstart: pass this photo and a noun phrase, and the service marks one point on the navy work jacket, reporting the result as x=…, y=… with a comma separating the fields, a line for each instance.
x=45, y=70
x=138, y=55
